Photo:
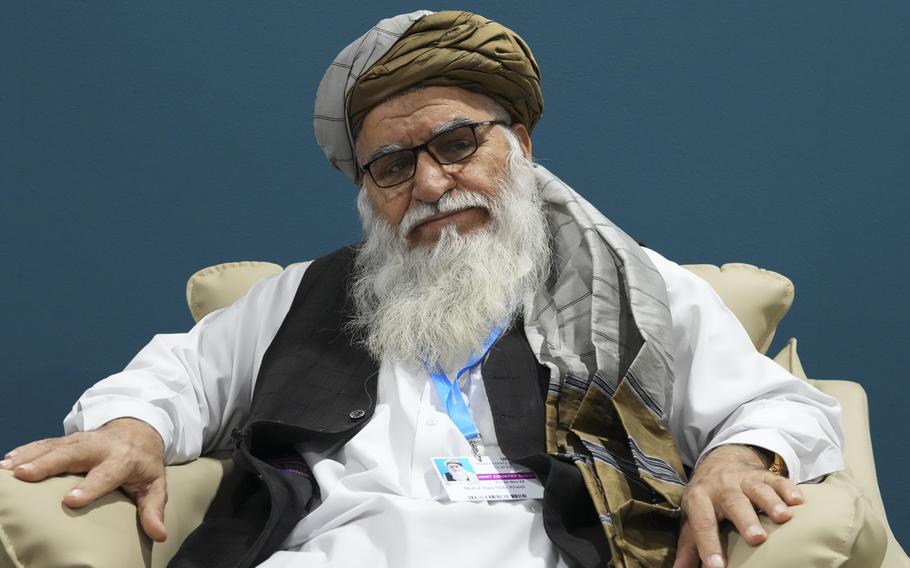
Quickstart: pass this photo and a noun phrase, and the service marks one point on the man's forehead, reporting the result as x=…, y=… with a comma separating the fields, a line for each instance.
x=417, y=115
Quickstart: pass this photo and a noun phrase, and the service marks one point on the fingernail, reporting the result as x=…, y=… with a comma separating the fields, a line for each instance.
x=25, y=467
x=75, y=493
x=716, y=561
x=755, y=530
x=796, y=495
x=11, y=454
x=5, y=464
x=779, y=509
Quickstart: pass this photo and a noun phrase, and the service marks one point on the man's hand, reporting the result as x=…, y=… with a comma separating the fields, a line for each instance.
x=730, y=483
x=125, y=453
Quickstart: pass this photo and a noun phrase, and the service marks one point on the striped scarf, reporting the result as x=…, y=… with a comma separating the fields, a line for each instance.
x=602, y=326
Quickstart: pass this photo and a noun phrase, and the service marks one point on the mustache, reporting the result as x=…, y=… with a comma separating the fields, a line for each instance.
x=454, y=200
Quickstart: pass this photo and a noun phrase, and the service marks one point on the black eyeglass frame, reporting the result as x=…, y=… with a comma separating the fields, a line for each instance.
x=415, y=151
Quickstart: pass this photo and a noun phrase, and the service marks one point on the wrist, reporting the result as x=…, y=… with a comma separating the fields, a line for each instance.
x=770, y=460
x=136, y=427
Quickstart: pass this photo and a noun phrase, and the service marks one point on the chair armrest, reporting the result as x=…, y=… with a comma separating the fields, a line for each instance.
x=857, y=439
x=836, y=527
x=858, y=455
x=38, y=531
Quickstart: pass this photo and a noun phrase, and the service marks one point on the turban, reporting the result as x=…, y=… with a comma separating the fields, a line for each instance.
x=457, y=49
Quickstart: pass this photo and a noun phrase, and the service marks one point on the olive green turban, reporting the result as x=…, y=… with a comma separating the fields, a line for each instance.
x=452, y=48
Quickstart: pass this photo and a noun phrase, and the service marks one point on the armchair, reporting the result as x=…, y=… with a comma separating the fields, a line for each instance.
x=843, y=524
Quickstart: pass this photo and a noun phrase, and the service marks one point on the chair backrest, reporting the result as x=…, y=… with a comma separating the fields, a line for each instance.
x=759, y=298
x=219, y=286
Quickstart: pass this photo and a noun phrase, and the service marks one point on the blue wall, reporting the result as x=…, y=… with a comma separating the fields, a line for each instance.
x=142, y=141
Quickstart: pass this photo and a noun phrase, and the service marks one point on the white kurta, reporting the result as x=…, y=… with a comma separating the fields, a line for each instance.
x=381, y=502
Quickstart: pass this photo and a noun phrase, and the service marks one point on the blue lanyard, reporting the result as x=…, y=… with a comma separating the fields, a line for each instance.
x=451, y=395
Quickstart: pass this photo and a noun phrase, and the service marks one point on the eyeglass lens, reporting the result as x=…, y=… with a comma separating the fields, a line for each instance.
x=446, y=148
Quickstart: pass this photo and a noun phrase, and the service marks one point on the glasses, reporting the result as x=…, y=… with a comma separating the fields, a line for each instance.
x=448, y=147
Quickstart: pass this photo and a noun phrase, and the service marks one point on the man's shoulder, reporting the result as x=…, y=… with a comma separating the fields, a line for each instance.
x=340, y=256
x=666, y=267
x=293, y=273
x=328, y=270
x=683, y=286
x=275, y=293
x=334, y=265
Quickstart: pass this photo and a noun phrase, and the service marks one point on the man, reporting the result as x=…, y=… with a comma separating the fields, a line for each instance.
x=457, y=472
x=491, y=314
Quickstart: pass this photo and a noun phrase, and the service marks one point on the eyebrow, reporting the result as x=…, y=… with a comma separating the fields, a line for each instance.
x=453, y=123
x=448, y=125
x=383, y=150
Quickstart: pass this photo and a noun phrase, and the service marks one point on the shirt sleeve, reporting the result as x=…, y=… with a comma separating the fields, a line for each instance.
x=195, y=387
x=726, y=392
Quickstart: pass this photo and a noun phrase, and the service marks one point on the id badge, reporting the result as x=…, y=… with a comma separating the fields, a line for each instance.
x=490, y=478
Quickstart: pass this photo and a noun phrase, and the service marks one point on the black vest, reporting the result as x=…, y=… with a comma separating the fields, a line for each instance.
x=314, y=383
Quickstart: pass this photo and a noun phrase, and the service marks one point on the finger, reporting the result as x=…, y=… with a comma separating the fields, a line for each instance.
x=703, y=521
x=64, y=457
x=787, y=490
x=28, y=452
x=686, y=552
x=738, y=509
x=9, y=458
x=766, y=498
x=150, y=504
x=101, y=480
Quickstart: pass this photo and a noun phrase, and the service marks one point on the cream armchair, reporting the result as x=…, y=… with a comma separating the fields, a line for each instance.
x=843, y=524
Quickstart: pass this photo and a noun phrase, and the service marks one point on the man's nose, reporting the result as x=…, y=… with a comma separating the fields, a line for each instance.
x=431, y=180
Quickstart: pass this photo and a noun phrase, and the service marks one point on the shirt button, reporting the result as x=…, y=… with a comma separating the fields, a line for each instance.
x=357, y=414
x=431, y=421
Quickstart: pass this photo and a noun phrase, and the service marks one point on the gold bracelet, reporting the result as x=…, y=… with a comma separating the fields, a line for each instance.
x=777, y=464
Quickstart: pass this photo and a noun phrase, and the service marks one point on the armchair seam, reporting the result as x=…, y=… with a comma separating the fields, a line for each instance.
x=844, y=542
x=9, y=549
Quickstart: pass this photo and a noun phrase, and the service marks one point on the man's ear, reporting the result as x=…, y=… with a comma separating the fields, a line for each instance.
x=524, y=138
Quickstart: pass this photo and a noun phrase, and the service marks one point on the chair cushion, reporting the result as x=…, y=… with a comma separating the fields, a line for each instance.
x=221, y=285
x=759, y=298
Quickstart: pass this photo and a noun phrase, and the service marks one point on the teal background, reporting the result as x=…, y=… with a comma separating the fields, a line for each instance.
x=140, y=142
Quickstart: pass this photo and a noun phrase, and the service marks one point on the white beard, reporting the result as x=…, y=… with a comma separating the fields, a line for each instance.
x=438, y=304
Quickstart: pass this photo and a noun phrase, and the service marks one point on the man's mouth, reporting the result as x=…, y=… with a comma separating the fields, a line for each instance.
x=441, y=219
